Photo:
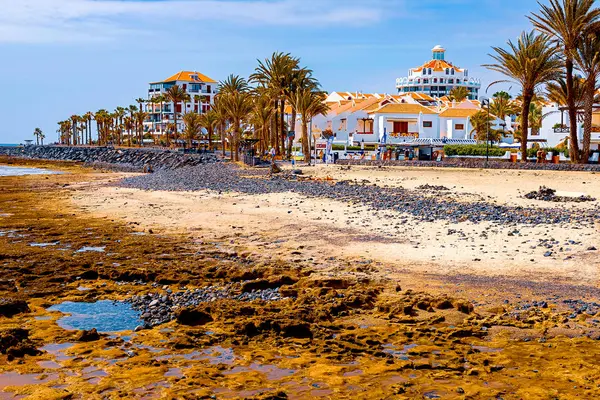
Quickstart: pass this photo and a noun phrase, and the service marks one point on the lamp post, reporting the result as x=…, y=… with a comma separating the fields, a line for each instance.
x=486, y=102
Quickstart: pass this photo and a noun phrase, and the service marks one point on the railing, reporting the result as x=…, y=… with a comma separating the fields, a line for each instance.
x=562, y=130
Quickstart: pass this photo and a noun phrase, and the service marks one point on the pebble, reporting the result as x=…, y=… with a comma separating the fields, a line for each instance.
x=225, y=178
x=159, y=308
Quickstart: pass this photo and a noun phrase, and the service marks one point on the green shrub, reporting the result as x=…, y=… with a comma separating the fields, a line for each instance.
x=472, y=150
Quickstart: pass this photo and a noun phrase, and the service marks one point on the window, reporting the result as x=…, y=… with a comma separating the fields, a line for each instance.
x=452, y=71
x=450, y=80
x=400, y=127
x=447, y=71
x=343, y=122
x=427, y=124
x=429, y=71
x=459, y=127
x=434, y=80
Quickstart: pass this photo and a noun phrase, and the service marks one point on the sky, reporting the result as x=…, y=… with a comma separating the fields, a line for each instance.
x=65, y=57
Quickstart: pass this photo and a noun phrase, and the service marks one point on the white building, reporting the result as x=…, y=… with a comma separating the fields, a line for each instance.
x=199, y=87
x=556, y=127
x=394, y=119
x=438, y=77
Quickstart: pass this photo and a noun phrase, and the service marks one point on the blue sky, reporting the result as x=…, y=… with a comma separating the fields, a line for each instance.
x=64, y=57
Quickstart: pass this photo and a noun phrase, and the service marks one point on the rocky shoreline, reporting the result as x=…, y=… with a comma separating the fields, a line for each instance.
x=159, y=308
x=420, y=203
x=127, y=159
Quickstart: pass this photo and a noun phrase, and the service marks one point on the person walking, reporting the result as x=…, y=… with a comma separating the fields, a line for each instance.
x=272, y=153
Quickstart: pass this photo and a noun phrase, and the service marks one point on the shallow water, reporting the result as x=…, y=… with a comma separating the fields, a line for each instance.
x=18, y=171
x=104, y=315
x=98, y=249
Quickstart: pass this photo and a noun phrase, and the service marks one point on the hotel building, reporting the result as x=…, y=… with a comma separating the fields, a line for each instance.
x=199, y=87
x=438, y=77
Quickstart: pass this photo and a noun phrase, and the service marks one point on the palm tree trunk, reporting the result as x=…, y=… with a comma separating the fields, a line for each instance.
x=276, y=122
x=305, y=148
x=161, y=123
x=587, y=123
x=574, y=148
x=282, y=125
x=236, y=135
x=175, y=121
x=222, y=138
x=292, y=128
x=525, y=124
x=210, y=138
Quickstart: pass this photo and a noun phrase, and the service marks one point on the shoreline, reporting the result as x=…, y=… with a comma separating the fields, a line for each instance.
x=361, y=312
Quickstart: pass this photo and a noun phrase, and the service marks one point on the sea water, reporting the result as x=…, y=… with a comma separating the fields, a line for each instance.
x=18, y=171
x=104, y=315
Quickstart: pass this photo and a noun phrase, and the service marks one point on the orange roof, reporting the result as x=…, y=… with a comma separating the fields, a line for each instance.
x=403, y=108
x=437, y=65
x=364, y=104
x=186, y=76
x=459, y=112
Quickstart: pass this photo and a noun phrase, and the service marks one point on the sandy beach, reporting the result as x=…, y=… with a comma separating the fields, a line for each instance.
x=280, y=290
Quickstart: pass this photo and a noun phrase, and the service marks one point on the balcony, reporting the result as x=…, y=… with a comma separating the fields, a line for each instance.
x=562, y=129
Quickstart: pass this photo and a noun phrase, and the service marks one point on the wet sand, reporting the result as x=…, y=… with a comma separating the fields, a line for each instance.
x=369, y=310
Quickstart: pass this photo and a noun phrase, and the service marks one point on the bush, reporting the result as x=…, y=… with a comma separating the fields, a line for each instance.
x=472, y=150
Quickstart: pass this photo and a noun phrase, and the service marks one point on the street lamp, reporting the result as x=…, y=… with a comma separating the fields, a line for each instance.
x=486, y=102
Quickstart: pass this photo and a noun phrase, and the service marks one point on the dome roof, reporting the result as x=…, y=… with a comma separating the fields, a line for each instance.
x=438, y=48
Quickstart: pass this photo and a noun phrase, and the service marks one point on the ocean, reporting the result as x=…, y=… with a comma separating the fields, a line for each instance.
x=17, y=171
x=8, y=145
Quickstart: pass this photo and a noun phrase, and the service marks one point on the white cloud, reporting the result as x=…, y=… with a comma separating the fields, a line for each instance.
x=32, y=21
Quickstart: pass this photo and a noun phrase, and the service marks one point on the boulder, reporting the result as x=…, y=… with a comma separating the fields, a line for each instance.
x=193, y=317
x=10, y=307
x=88, y=336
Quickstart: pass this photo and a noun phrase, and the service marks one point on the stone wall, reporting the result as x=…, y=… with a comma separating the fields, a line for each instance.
x=474, y=163
x=129, y=159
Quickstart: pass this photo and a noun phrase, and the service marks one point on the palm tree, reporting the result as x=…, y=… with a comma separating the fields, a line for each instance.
x=300, y=79
x=556, y=91
x=564, y=21
x=221, y=119
x=129, y=125
x=309, y=103
x=37, y=132
x=176, y=95
x=120, y=113
x=275, y=74
x=262, y=115
x=193, y=127
x=160, y=99
x=209, y=121
x=587, y=58
x=459, y=94
x=140, y=101
x=140, y=117
x=237, y=105
x=502, y=106
x=482, y=125
x=232, y=84
x=530, y=62
x=88, y=117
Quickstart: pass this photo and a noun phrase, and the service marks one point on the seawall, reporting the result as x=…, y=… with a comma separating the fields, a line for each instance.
x=122, y=158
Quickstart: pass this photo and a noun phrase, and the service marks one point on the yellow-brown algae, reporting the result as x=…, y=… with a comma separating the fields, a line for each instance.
x=367, y=338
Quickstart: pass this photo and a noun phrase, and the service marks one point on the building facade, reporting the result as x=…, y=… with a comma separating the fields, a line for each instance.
x=356, y=118
x=200, y=88
x=438, y=77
